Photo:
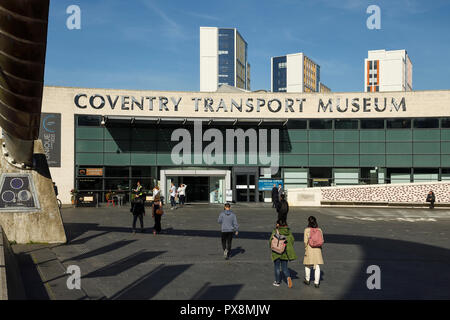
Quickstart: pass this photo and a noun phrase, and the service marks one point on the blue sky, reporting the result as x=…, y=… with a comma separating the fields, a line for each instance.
x=154, y=45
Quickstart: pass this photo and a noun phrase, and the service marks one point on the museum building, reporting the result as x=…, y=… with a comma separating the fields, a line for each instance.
x=232, y=146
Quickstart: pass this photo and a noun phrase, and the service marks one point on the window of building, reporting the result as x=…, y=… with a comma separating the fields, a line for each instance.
x=297, y=124
x=91, y=121
x=445, y=123
x=399, y=123
x=117, y=171
x=346, y=124
x=320, y=124
x=426, y=123
x=372, y=124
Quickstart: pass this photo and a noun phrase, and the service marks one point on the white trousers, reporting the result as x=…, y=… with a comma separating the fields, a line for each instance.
x=316, y=273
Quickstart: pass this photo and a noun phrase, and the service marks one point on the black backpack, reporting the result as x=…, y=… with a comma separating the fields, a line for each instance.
x=283, y=207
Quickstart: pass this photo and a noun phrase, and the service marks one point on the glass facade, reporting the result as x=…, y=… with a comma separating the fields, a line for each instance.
x=279, y=75
x=312, y=153
x=226, y=57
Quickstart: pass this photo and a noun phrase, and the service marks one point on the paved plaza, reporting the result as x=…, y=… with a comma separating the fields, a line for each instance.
x=411, y=247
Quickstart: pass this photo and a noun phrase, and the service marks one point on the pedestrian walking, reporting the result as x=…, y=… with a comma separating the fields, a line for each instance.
x=431, y=198
x=280, y=191
x=182, y=194
x=157, y=212
x=229, y=223
x=282, y=235
x=156, y=191
x=282, y=208
x=313, y=239
x=274, y=196
x=173, y=194
x=138, y=211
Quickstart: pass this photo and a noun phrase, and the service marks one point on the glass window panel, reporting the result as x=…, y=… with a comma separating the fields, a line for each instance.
x=445, y=123
x=320, y=124
x=117, y=184
x=426, y=123
x=147, y=184
x=143, y=171
x=117, y=171
x=372, y=124
x=90, y=184
x=297, y=124
x=346, y=124
x=399, y=123
x=89, y=121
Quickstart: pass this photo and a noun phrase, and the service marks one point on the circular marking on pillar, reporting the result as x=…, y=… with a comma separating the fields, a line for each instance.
x=8, y=196
x=24, y=195
x=16, y=183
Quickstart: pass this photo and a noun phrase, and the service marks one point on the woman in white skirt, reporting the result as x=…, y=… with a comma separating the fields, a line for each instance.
x=313, y=238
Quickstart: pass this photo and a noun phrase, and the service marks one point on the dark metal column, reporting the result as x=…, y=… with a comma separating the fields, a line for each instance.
x=23, y=41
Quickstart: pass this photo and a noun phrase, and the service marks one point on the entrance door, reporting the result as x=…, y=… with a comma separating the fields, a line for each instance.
x=197, y=189
x=245, y=187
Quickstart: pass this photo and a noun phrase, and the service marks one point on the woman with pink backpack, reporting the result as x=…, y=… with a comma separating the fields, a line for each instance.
x=313, y=238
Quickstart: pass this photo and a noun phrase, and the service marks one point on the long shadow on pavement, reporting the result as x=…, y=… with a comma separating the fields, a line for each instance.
x=150, y=284
x=124, y=264
x=409, y=269
x=225, y=292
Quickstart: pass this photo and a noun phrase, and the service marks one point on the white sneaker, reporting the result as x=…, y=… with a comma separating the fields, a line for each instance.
x=225, y=253
x=276, y=284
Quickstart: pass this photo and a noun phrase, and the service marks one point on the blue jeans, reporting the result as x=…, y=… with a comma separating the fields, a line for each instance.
x=172, y=201
x=284, y=267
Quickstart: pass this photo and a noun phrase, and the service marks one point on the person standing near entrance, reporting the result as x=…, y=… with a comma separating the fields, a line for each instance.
x=274, y=196
x=280, y=192
x=157, y=212
x=182, y=193
x=173, y=194
x=229, y=223
x=138, y=190
x=138, y=211
x=156, y=191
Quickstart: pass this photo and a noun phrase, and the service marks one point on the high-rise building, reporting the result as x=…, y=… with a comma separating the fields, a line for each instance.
x=387, y=71
x=223, y=59
x=324, y=88
x=294, y=73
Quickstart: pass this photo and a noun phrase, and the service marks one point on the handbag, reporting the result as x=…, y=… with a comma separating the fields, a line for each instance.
x=159, y=211
x=278, y=244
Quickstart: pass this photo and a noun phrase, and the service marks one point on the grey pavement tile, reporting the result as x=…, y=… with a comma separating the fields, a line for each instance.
x=186, y=260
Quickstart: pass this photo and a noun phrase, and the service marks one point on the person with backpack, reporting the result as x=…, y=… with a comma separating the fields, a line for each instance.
x=282, y=244
x=157, y=212
x=228, y=220
x=138, y=210
x=282, y=208
x=313, y=239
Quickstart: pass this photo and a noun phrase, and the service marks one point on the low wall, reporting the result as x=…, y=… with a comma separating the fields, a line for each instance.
x=11, y=285
x=380, y=193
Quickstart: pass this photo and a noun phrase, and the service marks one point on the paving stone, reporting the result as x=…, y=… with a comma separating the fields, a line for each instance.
x=186, y=260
